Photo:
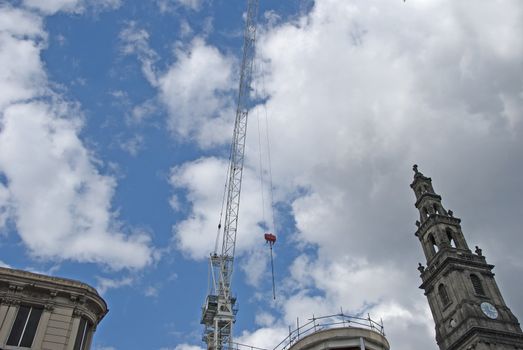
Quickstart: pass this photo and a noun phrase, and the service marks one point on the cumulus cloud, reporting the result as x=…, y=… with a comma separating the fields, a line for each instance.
x=195, y=89
x=50, y=7
x=171, y=5
x=203, y=182
x=51, y=187
x=187, y=347
x=136, y=41
x=357, y=93
x=21, y=39
x=104, y=284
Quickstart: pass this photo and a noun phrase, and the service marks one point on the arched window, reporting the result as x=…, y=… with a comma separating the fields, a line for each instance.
x=476, y=283
x=443, y=295
x=436, y=209
x=432, y=241
x=425, y=212
x=450, y=237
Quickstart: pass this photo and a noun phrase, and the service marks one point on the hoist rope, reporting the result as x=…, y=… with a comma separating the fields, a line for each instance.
x=260, y=165
x=269, y=165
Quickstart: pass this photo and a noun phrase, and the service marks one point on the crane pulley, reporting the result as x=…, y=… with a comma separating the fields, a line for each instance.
x=219, y=311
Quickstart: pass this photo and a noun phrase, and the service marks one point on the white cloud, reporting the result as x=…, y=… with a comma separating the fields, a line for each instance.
x=50, y=7
x=54, y=176
x=193, y=4
x=184, y=346
x=136, y=41
x=171, y=5
x=58, y=200
x=265, y=338
x=53, y=6
x=143, y=111
x=265, y=319
x=4, y=206
x=104, y=284
x=203, y=180
x=133, y=145
x=196, y=90
x=21, y=39
x=151, y=292
x=358, y=92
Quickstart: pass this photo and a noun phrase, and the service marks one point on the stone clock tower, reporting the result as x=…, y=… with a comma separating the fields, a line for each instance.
x=466, y=303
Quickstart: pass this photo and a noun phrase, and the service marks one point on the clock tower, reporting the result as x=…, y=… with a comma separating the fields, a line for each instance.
x=466, y=303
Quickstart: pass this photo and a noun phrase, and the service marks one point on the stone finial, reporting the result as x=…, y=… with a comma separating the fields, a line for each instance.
x=415, y=168
x=479, y=251
x=451, y=213
x=421, y=268
x=418, y=223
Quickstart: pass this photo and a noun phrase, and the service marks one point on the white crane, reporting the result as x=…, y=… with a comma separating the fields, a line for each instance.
x=219, y=312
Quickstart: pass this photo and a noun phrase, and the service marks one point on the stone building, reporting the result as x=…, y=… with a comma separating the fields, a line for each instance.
x=466, y=303
x=47, y=313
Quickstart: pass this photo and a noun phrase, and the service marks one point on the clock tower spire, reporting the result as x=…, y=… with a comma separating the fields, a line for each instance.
x=466, y=303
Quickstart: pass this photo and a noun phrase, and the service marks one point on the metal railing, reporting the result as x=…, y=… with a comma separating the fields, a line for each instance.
x=316, y=324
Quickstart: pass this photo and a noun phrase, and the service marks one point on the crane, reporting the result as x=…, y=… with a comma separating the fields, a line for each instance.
x=219, y=310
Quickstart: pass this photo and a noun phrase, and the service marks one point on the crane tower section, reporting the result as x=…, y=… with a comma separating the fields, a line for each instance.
x=218, y=311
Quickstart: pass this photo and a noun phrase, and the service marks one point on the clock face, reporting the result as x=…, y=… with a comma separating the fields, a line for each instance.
x=489, y=310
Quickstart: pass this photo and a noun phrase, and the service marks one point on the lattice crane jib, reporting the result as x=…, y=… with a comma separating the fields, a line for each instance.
x=218, y=312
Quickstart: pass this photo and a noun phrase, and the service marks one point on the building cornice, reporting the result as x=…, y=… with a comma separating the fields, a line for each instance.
x=435, y=219
x=18, y=286
x=446, y=259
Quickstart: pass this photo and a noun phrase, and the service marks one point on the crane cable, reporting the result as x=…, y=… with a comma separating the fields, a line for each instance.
x=269, y=173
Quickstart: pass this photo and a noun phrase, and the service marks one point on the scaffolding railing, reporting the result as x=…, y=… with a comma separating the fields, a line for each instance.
x=316, y=324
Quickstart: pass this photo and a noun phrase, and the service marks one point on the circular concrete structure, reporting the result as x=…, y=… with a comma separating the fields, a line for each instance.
x=346, y=338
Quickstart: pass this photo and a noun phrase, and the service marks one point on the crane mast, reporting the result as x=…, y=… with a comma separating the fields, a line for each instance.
x=219, y=311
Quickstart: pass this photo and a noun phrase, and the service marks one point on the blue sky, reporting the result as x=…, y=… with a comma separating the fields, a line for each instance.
x=115, y=121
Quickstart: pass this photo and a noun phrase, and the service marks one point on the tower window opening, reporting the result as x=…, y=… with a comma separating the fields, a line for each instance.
x=443, y=295
x=425, y=212
x=450, y=237
x=432, y=241
x=436, y=209
x=476, y=283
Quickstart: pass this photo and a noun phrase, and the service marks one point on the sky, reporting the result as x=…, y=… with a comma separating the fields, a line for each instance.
x=115, y=123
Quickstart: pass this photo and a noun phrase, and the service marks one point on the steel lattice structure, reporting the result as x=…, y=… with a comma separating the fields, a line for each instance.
x=219, y=312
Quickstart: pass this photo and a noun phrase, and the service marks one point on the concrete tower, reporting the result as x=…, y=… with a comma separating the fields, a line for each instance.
x=466, y=303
